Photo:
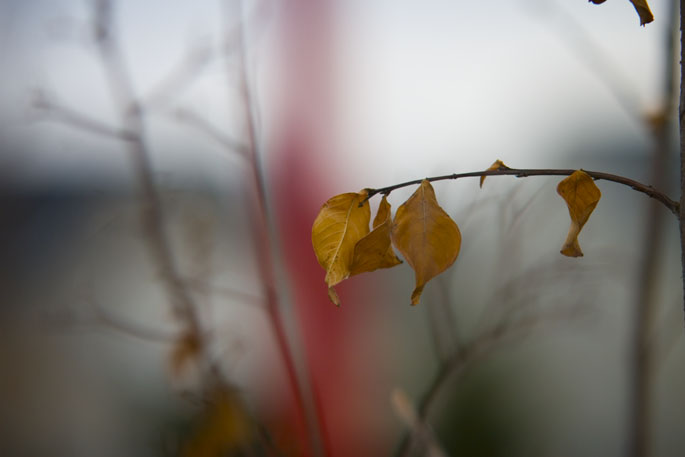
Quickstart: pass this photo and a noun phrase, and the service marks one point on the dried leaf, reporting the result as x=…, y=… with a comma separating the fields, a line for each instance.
x=375, y=251
x=426, y=236
x=641, y=7
x=495, y=166
x=581, y=195
x=643, y=11
x=338, y=227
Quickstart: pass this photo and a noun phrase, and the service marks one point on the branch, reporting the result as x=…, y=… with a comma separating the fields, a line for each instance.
x=68, y=116
x=480, y=347
x=203, y=125
x=672, y=205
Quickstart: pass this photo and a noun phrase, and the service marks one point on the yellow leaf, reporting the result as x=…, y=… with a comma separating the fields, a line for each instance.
x=641, y=7
x=374, y=251
x=336, y=230
x=495, y=166
x=581, y=195
x=426, y=236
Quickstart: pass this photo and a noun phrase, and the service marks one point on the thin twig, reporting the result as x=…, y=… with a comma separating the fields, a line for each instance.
x=183, y=74
x=73, y=118
x=203, y=125
x=131, y=328
x=672, y=205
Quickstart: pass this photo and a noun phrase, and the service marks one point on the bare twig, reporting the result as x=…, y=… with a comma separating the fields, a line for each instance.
x=673, y=206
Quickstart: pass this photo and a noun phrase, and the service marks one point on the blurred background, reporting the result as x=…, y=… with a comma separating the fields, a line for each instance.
x=161, y=164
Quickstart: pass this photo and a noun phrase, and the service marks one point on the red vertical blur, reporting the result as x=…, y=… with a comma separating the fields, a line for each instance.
x=304, y=148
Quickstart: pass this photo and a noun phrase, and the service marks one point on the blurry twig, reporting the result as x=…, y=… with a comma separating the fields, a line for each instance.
x=190, y=66
x=129, y=327
x=307, y=412
x=194, y=120
x=58, y=112
x=482, y=345
x=645, y=304
x=591, y=54
x=420, y=430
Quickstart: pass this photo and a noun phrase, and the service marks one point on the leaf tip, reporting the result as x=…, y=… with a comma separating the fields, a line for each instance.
x=416, y=295
x=333, y=296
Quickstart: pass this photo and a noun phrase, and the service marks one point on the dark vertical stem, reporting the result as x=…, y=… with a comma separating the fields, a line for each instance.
x=641, y=414
x=682, y=142
x=264, y=248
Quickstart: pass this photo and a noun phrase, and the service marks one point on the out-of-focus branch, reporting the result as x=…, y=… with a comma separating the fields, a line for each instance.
x=645, y=305
x=494, y=337
x=59, y=112
x=183, y=74
x=152, y=215
x=230, y=144
x=264, y=247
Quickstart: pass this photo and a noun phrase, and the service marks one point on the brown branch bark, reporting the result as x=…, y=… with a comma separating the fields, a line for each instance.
x=672, y=205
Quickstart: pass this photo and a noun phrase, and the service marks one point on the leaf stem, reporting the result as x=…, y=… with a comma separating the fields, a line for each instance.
x=672, y=205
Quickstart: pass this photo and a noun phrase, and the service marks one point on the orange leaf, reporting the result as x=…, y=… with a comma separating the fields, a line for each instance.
x=581, y=195
x=338, y=227
x=426, y=236
x=374, y=251
x=498, y=165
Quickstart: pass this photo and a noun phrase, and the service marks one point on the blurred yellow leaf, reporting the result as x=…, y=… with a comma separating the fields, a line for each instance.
x=581, y=195
x=225, y=428
x=426, y=236
x=495, y=166
x=340, y=224
x=374, y=251
x=641, y=7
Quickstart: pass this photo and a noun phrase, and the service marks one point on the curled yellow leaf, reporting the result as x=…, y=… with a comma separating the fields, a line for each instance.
x=426, y=236
x=581, y=195
x=374, y=251
x=495, y=166
x=340, y=224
